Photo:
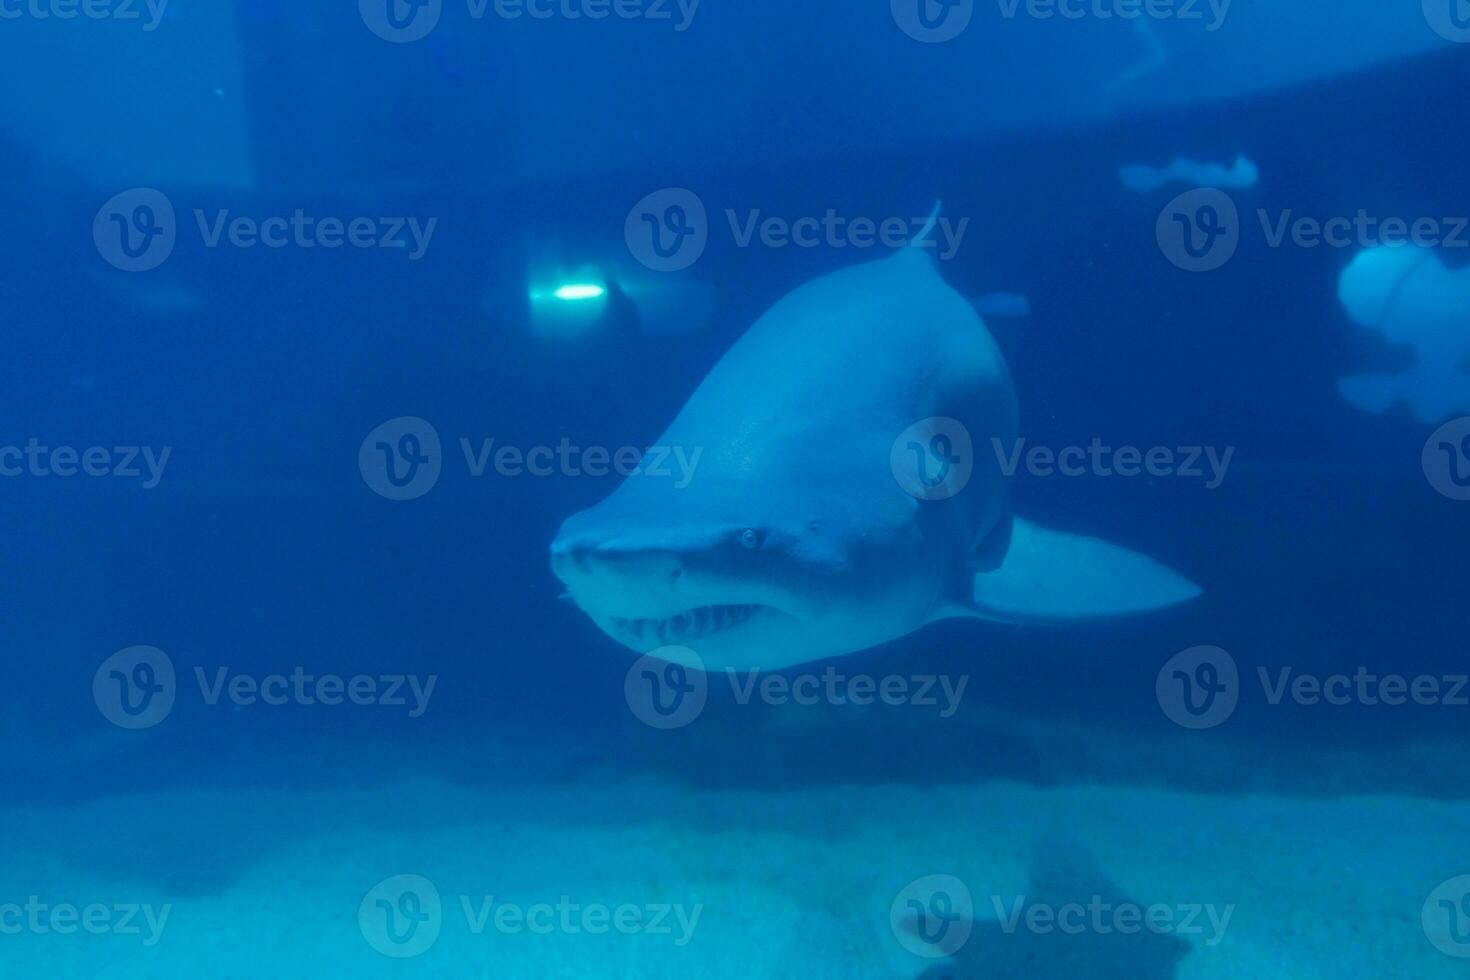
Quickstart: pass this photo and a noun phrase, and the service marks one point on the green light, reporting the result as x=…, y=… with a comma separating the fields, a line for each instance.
x=566, y=302
x=573, y=292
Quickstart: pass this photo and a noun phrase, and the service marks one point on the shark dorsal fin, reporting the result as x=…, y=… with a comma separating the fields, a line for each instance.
x=921, y=245
x=928, y=228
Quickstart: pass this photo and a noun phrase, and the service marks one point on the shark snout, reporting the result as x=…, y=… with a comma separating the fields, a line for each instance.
x=582, y=563
x=575, y=557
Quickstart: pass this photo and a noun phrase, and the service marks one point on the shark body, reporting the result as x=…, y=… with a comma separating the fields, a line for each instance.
x=798, y=538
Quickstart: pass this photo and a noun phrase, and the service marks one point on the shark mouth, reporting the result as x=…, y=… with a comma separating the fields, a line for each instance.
x=692, y=624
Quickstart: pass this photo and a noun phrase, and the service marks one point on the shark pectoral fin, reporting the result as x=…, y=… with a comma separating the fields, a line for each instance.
x=1051, y=575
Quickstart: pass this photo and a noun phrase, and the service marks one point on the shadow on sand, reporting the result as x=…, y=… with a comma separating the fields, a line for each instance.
x=1061, y=875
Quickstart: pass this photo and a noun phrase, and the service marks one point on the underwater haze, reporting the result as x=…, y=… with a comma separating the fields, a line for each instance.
x=664, y=488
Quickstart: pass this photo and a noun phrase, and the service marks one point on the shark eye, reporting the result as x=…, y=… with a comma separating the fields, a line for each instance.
x=750, y=538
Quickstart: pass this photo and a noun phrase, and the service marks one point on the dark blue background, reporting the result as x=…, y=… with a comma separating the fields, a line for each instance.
x=263, y=548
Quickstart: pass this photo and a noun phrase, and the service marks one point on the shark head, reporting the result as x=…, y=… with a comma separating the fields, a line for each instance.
x=746, y=580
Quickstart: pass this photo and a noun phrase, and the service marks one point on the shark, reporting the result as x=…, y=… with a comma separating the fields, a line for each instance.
x=840, y=502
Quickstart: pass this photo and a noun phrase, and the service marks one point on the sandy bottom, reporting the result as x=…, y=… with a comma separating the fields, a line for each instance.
x=647, y=879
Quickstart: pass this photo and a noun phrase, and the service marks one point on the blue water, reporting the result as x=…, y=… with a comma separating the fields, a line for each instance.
x=262, y=546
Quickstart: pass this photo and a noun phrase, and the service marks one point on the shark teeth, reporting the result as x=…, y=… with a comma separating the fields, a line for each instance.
x=687, y=625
